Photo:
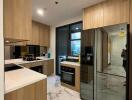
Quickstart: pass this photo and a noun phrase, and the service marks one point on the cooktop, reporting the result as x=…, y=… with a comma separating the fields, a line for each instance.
x=11, y=67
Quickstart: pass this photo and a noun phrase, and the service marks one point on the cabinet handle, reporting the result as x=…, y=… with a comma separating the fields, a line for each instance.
x=67, y=72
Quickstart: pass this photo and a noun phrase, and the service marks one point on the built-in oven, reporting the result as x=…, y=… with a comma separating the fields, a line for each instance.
x=68, y=75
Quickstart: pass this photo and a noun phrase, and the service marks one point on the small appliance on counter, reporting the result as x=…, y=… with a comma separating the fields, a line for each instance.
x=29, y=57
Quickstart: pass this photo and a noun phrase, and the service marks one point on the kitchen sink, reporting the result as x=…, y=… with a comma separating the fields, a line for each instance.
x=11, y=67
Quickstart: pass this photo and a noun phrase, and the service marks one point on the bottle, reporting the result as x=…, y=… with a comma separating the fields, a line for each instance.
x=49, y=54
x=79, y=59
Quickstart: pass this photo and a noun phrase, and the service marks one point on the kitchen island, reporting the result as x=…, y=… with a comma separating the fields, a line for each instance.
x=25, y=84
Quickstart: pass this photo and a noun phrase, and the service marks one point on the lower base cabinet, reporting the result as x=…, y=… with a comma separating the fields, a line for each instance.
x=36, y=91
x=49, y=67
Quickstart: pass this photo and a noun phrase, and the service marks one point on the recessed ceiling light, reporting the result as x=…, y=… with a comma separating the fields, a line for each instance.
x=40, y=12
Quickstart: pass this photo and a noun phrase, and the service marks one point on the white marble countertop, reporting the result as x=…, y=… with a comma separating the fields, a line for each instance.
x=17, y=79
x=21, y=61
x=44, y=58
x=20, y=78
x=71, y=63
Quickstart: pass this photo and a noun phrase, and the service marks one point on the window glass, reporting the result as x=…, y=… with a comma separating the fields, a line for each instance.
x=76, y=35
x=75, y=47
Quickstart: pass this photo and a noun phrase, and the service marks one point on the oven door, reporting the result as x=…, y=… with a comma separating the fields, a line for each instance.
x=68, y=77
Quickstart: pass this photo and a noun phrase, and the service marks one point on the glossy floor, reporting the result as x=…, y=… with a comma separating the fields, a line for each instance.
x=115, y=70
x=58, y=92
x=110, y=87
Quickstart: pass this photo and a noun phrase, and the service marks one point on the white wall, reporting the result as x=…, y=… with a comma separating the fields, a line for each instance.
x=1, y=53
x=118, y=43
x=53, y=33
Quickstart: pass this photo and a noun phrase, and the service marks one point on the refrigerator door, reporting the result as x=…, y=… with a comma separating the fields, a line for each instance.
x=87, y=64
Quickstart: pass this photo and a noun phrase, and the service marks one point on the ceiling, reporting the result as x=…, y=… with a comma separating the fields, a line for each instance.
x=56, y=13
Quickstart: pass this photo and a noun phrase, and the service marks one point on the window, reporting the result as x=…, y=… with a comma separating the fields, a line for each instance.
x=75, y=43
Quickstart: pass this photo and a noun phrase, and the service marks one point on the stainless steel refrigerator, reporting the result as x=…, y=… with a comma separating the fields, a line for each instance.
x=98, y=49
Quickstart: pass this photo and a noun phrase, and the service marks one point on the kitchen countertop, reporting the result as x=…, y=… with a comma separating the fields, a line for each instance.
x=20, y=78
x=70, y=63
x=21, y=61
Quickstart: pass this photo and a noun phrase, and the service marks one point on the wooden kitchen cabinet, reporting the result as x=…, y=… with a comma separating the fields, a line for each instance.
x=49, y=67
x=36, y=91
x=34, y=37
x=93, y=17
x=77, y=76
x=109, y=12
x=40, y=34
x=44, y=35
x=17, y=19
x=116, y=12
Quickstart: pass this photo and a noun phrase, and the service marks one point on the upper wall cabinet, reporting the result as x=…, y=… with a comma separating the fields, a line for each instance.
x=106, y=13
x=44, y=35
x=93, y=17
x=34, y=37
x=116, y=12
x=40, y=34
x=17, y=19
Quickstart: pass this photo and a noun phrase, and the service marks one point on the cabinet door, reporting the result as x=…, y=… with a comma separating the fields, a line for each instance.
x=36, y=91
x=17, y=19
x=116, y=12
x=41, y=90
x=44, y=35
x=93, y=17
x=35, y=33
x=49, y=67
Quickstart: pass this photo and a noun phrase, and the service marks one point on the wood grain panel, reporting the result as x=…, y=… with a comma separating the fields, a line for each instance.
x=106, y=13
x=44, y=35
x=17, y=19
x=93, y=16
x=116, y=12
x=41, y=87
x=49, y=67
x=77, y=78
x=36, y=91
x=35, y=33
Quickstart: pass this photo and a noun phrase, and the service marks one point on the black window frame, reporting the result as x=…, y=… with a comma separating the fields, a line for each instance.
x=72, y=32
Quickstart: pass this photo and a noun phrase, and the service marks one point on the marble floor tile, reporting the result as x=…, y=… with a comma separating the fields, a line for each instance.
x=110, y=87
x=116, y=70
x=57, y=92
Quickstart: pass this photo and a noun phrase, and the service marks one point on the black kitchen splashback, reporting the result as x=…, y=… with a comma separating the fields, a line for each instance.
x=20, y=51
x=34, y=50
